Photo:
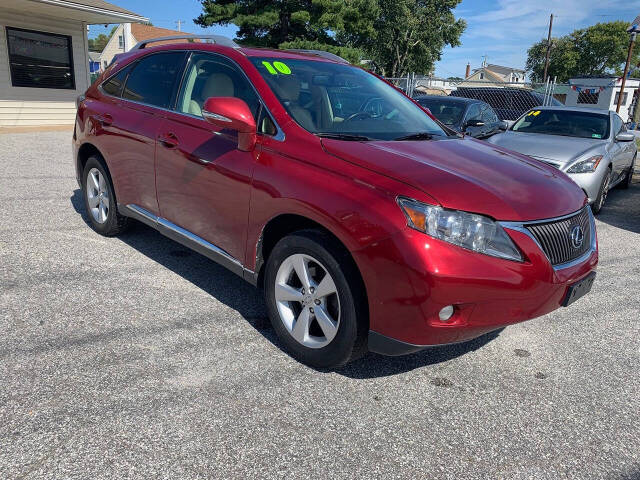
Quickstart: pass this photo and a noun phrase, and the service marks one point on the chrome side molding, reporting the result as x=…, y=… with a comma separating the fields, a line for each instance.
x=184, y=237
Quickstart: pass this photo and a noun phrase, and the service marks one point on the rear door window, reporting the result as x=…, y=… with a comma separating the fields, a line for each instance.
x=154, y=78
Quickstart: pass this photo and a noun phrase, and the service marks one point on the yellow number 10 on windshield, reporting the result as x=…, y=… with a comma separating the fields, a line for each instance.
x=277, y=67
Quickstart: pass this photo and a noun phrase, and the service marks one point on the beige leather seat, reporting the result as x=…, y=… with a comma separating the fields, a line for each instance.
x=217, y=85
x=289, y=90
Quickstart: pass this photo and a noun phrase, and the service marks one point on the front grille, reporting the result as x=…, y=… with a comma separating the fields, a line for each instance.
x=555, y=237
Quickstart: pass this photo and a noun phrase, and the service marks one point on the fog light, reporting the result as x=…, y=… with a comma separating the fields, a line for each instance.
x=446, y=313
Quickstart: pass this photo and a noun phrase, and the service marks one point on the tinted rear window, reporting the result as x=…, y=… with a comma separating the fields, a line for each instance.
x=153, y=79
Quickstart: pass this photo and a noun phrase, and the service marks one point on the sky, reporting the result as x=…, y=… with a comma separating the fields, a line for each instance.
x=502, y=30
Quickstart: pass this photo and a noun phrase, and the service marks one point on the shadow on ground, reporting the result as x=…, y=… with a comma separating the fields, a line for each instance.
x=247, y=300
x=622, y=208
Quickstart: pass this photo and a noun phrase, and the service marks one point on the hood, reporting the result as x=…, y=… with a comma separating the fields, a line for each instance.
x=467, y=174
x=556, y=148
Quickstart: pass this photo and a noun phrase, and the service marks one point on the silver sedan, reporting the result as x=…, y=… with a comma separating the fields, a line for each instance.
x=592, y=146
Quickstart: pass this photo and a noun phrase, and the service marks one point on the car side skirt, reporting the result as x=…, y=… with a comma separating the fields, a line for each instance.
x=186, y=238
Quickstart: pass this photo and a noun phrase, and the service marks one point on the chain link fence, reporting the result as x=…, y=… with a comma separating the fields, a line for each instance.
x=508, y=99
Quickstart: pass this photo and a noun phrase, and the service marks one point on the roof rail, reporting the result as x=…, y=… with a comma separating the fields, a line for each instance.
x=319, y=53
x=217, y=39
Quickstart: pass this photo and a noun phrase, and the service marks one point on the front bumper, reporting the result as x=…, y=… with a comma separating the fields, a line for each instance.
x=410, y=277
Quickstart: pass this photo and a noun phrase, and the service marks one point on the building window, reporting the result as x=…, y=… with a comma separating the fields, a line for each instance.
x=39, y=59
x=624, y=98
x=588, y=98
x=120, y=41
x=481, y=76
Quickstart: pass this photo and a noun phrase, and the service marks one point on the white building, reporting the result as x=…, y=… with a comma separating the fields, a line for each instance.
x=44, y=57
x=127, y=35
x=602, y=92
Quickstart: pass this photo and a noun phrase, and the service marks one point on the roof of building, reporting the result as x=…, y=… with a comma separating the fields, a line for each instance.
x=102, y=4
x=96, y=11
x=142, y=32
x=503, y=70
x=94, y=56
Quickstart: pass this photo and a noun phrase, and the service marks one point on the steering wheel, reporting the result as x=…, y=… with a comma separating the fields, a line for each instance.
x=358, y=115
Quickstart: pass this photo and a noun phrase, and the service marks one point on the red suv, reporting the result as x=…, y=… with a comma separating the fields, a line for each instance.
x=367, y=223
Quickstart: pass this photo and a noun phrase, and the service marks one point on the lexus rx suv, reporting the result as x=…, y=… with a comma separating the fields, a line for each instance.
x=367, y=224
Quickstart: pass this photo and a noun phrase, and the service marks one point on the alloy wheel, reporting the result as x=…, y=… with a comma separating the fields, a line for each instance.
x=307, y=300
x=97, y=195
x=605, y=189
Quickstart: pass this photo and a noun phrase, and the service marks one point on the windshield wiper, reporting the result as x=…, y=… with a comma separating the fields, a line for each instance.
x=343, y=136
x=416, y=136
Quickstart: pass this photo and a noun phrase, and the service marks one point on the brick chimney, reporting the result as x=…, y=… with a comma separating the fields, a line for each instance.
x=468, y=71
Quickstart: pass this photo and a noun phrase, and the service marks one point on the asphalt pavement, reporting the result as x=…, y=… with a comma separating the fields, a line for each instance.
x=133, y=357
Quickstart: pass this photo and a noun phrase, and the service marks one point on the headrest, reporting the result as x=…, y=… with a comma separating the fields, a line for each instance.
x=218, y=85
x=289, y=88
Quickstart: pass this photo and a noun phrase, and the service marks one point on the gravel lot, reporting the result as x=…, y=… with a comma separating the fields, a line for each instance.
x=135, y=358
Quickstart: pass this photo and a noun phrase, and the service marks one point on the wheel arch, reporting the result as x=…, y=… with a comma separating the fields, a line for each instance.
x=85, y=151
x=285, y=224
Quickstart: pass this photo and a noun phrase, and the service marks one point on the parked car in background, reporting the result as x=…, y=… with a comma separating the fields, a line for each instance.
x=592, y=146
x=509, y=103
x=367, y=225
x=465, y=115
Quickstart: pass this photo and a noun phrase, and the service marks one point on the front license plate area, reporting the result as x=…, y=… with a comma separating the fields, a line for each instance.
x=579, y=289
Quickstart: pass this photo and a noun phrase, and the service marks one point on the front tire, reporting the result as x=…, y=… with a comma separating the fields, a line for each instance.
x=602, y=193
x=100, y=199
x=314, y=300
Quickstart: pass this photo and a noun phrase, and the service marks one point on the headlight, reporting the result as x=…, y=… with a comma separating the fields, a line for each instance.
x=467, y=230
x=586, y=166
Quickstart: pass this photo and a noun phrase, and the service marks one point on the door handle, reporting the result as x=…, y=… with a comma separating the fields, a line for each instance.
x=168, y=140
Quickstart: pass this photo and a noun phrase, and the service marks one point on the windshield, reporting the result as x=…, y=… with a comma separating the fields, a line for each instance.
x=337, y=99
x=564, y=122
x=447, y=112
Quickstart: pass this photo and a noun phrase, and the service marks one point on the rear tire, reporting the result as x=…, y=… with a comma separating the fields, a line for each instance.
x=602, y=193
x=321, y=320
x=628, y=178
x=100, y=199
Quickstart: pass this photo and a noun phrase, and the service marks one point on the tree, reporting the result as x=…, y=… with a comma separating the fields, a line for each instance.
x=563, y=59
x=97, y=44
x=600, y=49
x=399, y=36
x=410, y=34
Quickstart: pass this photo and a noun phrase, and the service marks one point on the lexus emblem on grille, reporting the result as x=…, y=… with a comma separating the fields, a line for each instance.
x=577, y=236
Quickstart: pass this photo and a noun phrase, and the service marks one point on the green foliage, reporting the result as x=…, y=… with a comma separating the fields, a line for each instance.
x=410, y=34
x=97, y=44
x=600, y=49
x=352, y=55
x=399, y=35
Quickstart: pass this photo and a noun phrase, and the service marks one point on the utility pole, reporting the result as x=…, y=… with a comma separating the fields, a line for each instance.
x=179, y=23
x=633, y=30
x=546, y=61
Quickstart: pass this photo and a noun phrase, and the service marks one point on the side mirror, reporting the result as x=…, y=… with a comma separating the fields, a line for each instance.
x=474, y=123
x=503, y=125
x=625, y=137
x=234, y=114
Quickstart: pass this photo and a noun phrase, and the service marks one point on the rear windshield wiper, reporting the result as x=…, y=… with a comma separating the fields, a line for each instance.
x=343, y=136
x=416, y=136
